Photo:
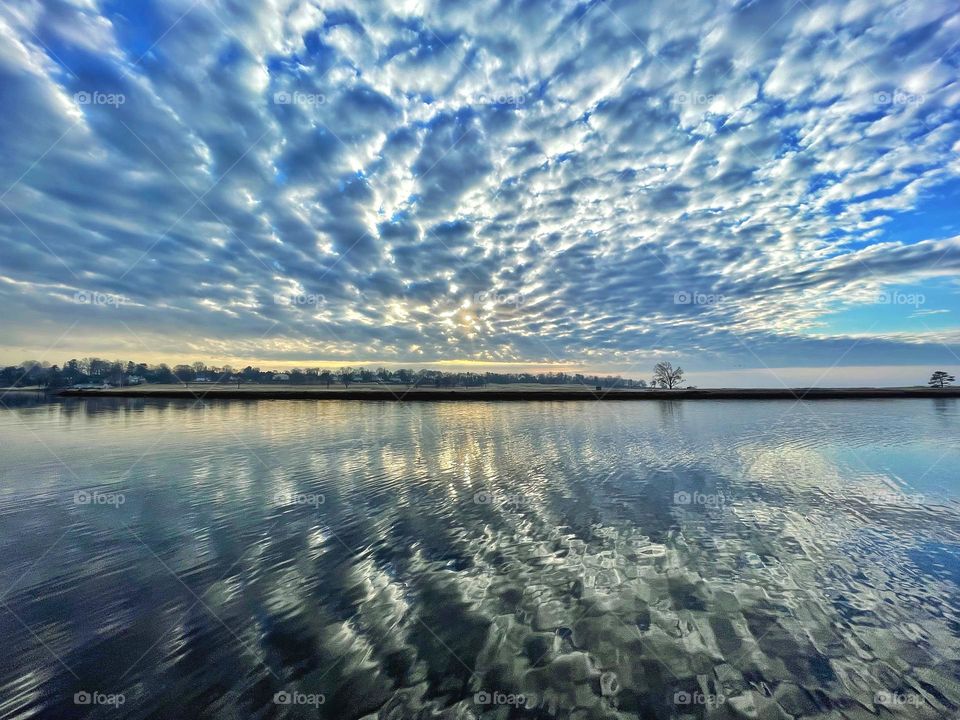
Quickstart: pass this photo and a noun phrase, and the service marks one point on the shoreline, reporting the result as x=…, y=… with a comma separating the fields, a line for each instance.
x=446, y=394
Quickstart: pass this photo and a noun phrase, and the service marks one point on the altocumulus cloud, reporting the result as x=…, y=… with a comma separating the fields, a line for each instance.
x=411, y=181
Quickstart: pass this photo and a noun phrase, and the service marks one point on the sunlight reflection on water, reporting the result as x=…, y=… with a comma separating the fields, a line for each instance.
x=338, y=559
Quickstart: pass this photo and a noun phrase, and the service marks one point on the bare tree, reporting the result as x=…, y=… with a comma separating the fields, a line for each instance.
x=665, y=376
x=940, y=379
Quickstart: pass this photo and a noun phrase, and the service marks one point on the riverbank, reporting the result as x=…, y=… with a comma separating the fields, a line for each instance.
x=524, y=393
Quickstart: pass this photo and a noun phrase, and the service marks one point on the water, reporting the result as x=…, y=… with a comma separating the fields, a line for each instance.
x=455, y=560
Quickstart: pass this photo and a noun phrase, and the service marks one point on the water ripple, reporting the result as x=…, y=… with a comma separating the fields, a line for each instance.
x=354, y=560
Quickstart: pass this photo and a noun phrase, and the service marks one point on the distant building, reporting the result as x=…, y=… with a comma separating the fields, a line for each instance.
x=281, y=377
x=135, y=380
x=203, y=379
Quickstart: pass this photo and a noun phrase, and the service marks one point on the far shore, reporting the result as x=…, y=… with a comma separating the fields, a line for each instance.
x=197, y=391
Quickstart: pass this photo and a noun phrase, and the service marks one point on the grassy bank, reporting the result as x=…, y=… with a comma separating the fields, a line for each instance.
x=502, y=392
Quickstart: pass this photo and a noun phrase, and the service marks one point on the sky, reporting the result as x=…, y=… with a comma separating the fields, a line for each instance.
x=762, y=192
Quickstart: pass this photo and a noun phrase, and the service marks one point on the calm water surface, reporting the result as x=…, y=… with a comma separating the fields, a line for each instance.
x=479, y=560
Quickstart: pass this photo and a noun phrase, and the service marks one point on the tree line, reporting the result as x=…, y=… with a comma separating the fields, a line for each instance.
x=32, y=373
x=92, y=370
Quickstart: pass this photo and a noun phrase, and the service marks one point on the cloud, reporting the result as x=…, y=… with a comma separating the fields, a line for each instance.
x=525, y=182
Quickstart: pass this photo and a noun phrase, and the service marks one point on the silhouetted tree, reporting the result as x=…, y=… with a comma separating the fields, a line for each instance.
x=161, y=374
x=940, y=379
x=183, y=373
x=665, y=376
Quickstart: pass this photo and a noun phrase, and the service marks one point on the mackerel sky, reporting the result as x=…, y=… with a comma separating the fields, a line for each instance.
x=733, y=186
